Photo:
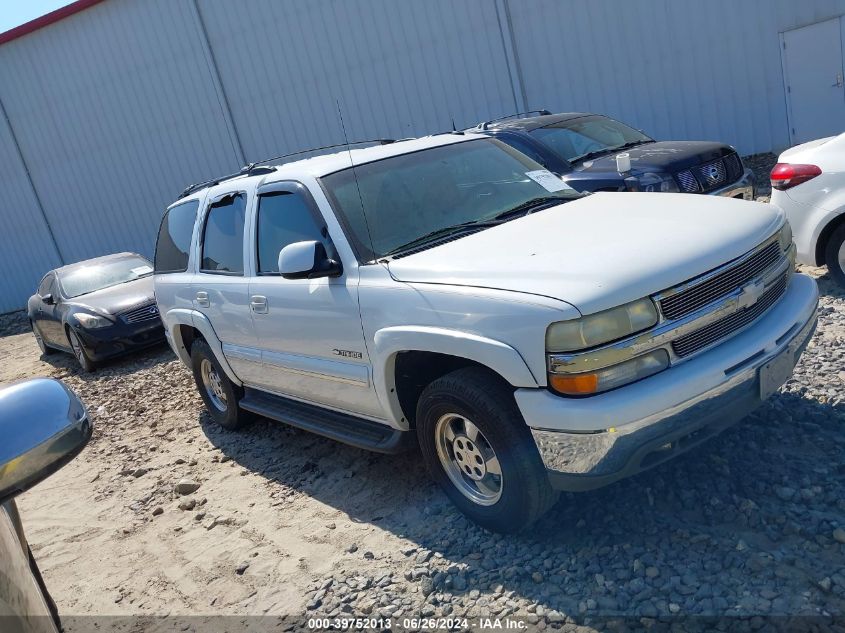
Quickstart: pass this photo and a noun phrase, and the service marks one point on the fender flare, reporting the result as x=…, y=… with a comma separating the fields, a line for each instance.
x=192, y=318
x=390, y=341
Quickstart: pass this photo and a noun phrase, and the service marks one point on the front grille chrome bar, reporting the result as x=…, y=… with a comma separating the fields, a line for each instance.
x=668, y=331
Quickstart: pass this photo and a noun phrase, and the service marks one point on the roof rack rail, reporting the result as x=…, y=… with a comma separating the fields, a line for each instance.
x=379, y=141
x=257, y=168
x=486, y=124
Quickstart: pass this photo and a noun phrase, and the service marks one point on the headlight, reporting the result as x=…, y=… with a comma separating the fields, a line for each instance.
x=92, y=321
x=658, y=182
x=610, y=377
x=602, y=327
x=785, y=236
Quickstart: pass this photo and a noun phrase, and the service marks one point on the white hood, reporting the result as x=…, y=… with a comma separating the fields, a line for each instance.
x=600, y=251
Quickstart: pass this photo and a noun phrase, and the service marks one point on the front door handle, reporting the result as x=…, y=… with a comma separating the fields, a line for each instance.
x=202, y=298
x=258, y=303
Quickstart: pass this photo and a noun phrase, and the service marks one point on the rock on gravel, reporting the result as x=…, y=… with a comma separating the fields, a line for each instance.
x=186, y=487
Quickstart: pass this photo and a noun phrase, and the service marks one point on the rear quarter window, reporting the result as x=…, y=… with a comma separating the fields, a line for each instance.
x=174, y=238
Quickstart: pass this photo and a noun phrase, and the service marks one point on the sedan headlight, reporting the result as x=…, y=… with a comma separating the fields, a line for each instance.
x=610, y=377
x=92, y=321
x=602, y=327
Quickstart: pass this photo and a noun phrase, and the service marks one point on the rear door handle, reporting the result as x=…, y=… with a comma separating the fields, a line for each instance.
x=258, y=303
x=202, y=298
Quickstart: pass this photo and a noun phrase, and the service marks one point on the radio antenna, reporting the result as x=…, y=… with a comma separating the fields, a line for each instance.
x=355, y=175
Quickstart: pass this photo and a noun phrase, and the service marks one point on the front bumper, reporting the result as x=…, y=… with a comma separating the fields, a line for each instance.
x=120, y=338
x=590, y=442
x=744, y=188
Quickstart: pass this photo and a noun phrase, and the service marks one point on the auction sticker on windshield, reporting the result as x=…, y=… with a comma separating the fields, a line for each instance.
x=547, y=180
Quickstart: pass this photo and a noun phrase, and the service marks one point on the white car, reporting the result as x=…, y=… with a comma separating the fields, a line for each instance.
x=808, y=183
x=448, y=291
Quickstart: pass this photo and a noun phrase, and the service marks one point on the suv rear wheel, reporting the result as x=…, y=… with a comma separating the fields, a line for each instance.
x=834, y=255
x=219, y=394
x=477, y=447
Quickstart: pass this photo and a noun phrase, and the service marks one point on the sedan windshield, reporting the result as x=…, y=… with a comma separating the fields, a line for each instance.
x=85, y=278
x=588, y=137
x=416, y=199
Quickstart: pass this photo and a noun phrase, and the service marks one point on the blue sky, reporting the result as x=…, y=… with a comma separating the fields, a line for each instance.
x=15, y=12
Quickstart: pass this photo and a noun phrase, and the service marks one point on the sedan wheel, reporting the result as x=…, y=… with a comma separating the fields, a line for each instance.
x=79, y=352
x=40, y=341
x=835, y=255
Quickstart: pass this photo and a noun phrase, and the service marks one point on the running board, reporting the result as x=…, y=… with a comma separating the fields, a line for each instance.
x=341, y=427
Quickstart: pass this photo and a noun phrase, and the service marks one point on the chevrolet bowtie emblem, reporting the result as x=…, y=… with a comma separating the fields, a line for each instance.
x=750, y=295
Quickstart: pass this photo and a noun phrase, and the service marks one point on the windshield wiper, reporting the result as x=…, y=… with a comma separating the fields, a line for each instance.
x=529, y=206
x=606, y=150
x=433, y=235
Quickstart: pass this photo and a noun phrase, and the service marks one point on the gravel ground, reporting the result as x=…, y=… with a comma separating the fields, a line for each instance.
x=166, y=514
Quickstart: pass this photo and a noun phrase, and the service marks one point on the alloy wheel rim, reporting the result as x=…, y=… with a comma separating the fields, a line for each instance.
x=77, y=348
x=213, y=385
x=842, y=256
x=468, y=459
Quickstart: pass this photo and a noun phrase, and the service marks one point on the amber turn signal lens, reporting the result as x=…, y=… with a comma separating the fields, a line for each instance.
x=575, y=384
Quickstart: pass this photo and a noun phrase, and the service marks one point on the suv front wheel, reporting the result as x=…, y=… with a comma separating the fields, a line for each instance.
x=477, y=447
x=219, y=394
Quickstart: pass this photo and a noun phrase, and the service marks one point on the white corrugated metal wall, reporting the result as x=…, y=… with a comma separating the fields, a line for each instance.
x=113, y=110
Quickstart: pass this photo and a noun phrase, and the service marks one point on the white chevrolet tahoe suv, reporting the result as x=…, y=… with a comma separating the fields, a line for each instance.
x=448, y=291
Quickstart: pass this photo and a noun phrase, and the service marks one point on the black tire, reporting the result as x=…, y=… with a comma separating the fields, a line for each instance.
x=835, y=262
x=487, y=401
x=45, y=349
x=79, y=352
x=231, y=416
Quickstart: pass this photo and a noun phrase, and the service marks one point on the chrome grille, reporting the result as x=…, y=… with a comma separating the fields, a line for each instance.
x=712, y=174
x=716, y=331
x=687, y=181
x=147, y=312
x=699, y=295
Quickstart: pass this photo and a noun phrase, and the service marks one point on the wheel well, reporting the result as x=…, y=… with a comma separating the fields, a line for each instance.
x=189, y=335
x=415, y=370
x=827, y=231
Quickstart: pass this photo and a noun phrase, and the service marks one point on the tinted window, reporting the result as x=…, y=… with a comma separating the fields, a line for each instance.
x=85, y=277
x=174, y=238
x=284, y=218
x=223, y=238
x=522, y=146
x=45, y=286
x=575, y=138
x=388, y=204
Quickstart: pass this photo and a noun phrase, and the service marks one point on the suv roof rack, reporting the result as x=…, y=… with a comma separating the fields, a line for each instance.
x=486, y=124
x=257, y=168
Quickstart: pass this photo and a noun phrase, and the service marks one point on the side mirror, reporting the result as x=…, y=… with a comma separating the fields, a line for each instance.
x=48, y=299
x=307, y=260
x=43, y=425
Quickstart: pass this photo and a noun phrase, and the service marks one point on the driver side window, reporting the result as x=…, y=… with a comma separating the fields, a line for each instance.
x=285, y=218
x=46, y=286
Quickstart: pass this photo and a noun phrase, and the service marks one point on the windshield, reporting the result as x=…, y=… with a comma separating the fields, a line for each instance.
x=96, y=276
x=575, y=139
x=428, y=193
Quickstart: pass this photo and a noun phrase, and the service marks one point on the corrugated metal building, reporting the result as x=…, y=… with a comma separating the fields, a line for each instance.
x=107, y=113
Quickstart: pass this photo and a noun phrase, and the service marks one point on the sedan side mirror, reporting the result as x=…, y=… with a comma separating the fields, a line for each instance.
x=48, y=299
x=43, y=425
x=307, y=260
